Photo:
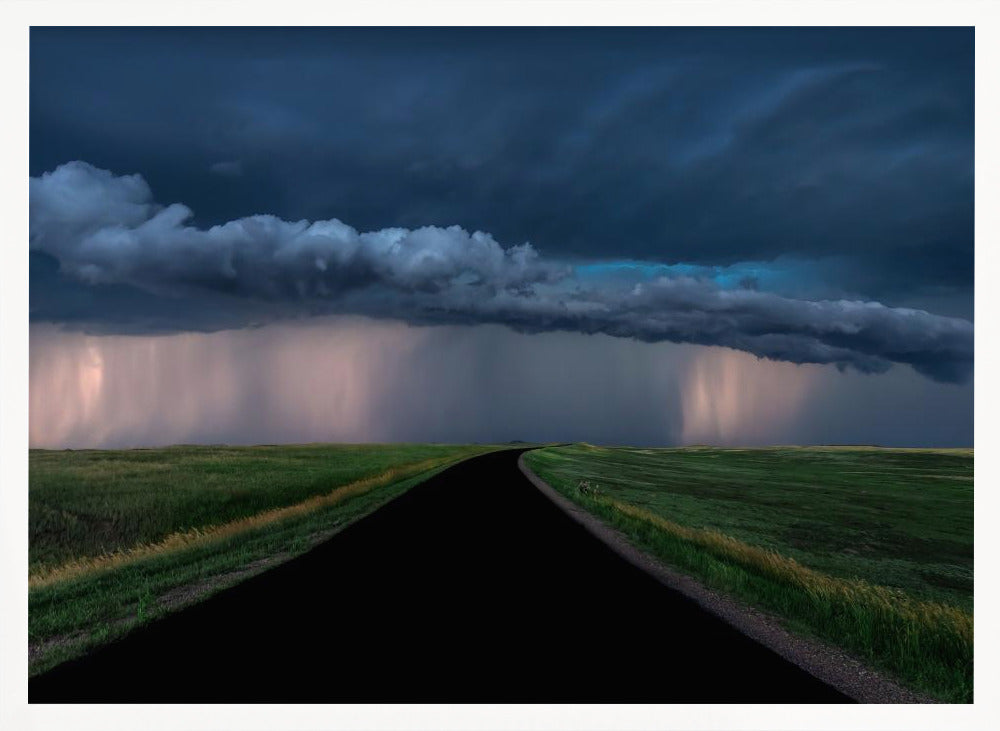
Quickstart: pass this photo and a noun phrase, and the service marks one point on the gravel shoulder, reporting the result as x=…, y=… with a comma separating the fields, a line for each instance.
x=821, y=660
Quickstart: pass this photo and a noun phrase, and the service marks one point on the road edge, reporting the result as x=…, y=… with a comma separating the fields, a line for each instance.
x=823, y=661
x=314, y=540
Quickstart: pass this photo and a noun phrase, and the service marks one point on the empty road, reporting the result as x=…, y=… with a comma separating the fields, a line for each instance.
x=471, y=587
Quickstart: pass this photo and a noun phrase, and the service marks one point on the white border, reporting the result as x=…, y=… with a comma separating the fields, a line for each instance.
x=15, y=18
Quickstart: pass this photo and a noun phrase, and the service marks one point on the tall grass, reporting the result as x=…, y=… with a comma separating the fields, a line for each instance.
x=92, y=600
x=44, y=576
x=895, y=518
x=926, y=644
x=92, y=502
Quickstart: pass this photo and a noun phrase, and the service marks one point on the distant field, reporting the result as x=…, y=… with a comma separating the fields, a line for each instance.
x=871, y=549
x=118, y=537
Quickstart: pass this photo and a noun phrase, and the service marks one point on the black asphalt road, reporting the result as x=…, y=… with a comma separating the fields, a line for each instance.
x=471, y=587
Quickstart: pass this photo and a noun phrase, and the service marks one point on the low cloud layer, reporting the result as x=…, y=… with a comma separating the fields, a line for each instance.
x=106, y=230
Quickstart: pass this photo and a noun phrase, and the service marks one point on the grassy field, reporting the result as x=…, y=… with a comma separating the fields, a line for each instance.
x=870, y=549
x=118, y=538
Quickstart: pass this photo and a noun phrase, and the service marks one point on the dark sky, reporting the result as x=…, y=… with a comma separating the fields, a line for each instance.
x=709, y=146
x=783, y=192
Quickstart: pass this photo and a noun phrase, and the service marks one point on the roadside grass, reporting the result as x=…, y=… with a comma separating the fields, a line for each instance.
x=184, y=539
x=854, y=560
x=88, y=503
x=92, y=599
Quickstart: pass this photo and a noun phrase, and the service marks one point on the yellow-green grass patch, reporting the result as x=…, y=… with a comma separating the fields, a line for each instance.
x=93, y=598
x=878, y=563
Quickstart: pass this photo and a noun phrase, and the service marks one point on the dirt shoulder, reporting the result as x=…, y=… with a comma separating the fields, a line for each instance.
x=823, y=661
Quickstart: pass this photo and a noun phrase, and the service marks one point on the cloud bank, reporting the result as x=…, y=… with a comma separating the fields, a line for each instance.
x=106, y=230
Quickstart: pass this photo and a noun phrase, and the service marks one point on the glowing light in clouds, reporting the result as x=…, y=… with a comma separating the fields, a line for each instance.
x=730, y=397
x=70, y=392
x=273, y=384
x=362, y=380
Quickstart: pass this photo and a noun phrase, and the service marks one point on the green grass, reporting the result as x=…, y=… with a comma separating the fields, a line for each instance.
x=90, y=502
x=869, y=549
x=113, y=518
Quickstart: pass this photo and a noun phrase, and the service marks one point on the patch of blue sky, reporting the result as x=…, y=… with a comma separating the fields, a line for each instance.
x=782, y=276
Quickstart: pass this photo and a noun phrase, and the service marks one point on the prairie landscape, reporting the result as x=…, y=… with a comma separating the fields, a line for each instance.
x=871, y=549
x=366, y=363
x=121, y=537
x=867, y=549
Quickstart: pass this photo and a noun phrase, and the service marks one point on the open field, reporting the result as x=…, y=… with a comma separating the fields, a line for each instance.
x=459, y=569
x=869, y=549
x=120, y=537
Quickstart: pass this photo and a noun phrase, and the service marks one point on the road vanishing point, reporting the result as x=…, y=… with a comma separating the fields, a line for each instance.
x=471, y=587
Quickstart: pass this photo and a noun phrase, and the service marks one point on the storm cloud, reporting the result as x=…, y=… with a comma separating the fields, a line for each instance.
x=106, y=230
x=852, y=148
